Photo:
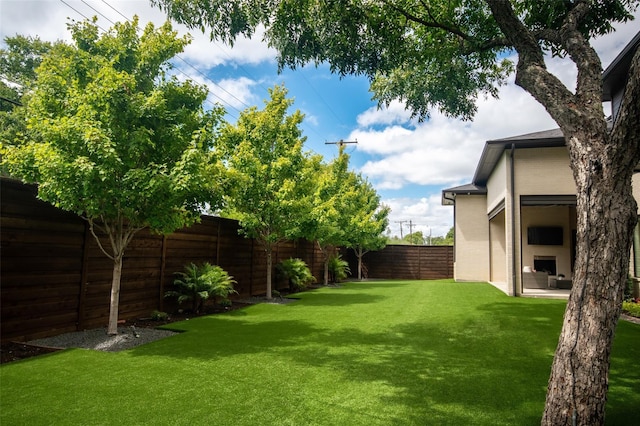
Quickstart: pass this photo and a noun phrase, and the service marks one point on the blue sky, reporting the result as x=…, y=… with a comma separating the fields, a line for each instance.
x=408, y=162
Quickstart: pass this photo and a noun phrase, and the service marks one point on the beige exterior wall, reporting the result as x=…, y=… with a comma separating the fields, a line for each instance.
x=496, y=185
x=543, y=171
x=485, y=249
x=497, y=231
x=472, y=239
x=636, y=189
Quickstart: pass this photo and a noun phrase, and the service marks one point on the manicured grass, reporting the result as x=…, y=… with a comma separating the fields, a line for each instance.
x=375, y=353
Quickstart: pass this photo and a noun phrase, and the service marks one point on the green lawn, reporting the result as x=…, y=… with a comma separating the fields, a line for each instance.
x=375, y=353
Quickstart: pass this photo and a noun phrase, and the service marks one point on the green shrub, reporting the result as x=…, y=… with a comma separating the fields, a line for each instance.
x=296, y=272
x=338, y=268
x=631, y=308
x=628, y=288
x=199, y=283
x=159, y=316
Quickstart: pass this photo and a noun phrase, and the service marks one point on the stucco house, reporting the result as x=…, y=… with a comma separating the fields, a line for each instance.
x=515, y=223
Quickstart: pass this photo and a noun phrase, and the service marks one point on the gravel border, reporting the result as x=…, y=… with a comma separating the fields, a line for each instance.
x=98, y=339
x=127, y=337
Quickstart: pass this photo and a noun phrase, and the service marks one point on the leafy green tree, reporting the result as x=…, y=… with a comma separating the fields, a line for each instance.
x=367, y=222
x=263, y=151
x=415, y=238
x=18, y=62
x=113, y=139
x=345, y=212
x=449, y=238
x=444, y=54
x=330, y=209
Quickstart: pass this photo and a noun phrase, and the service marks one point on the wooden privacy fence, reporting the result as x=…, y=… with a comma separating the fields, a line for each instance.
x=55, y=279
x=406, y=262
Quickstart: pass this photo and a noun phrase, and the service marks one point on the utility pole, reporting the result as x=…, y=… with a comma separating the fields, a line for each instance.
x=400, y=222
x=340, y=142
x=411, y=230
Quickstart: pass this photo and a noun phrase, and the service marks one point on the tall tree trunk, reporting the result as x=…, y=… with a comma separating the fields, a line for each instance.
x=112, y=328
x=578, y=385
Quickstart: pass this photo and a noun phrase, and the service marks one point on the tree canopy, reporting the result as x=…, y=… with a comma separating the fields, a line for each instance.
x=112, y=138
x=268, y=180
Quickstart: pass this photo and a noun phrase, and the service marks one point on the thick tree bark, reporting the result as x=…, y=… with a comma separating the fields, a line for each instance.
x=607, y=213
x=602, y=164
x=577, y=391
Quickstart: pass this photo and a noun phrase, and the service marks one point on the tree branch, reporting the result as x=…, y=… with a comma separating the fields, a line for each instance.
x=474, y=44
x=91, y=228
x=531, y=71
x=589, y=81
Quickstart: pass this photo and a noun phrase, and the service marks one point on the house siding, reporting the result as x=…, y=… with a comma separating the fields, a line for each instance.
x=496, y=185
x=472, y=238
x=543, y=171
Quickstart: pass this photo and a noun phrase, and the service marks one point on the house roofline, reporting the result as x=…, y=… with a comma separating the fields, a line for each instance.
x=493, y=149
x=618, y=69
x=449, y=194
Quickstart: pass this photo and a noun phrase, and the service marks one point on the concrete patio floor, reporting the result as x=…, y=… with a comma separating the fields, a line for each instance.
x=548, y=293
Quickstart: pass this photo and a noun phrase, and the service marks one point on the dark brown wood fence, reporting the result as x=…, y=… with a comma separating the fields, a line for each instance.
x=55, y=279
x=405, y=262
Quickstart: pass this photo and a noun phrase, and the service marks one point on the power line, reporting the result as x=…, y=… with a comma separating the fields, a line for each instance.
x=226, y=103
x=179, y=70
x=81, y=14
x=11, y=101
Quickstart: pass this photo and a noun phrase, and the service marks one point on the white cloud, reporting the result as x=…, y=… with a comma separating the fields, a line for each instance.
x=419, y=214
x=205, y=53
x=48, y=19
x=235, y=92
x=395, y=113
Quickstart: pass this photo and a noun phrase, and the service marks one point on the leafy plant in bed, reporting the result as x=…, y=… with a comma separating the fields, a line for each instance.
x=198, y=283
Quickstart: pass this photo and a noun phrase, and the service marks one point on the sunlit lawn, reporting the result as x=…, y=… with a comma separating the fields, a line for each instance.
x=373, y=353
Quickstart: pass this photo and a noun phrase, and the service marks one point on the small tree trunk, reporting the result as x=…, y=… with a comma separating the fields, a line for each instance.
x=112, y=328
x=359, y=255
x=326, y=270
x=269, y=265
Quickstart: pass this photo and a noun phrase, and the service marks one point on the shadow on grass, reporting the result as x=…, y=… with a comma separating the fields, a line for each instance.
x=487, y=364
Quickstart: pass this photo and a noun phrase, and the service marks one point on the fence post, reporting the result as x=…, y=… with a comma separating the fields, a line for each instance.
x=163, y=266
